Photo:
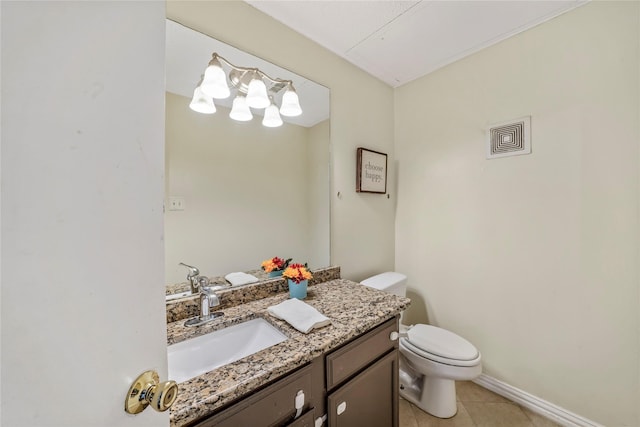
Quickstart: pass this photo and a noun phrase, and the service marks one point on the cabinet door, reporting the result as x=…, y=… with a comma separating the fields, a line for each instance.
x=370, y=399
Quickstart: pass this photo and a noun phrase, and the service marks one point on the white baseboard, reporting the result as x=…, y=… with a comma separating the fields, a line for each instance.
x=535, y=404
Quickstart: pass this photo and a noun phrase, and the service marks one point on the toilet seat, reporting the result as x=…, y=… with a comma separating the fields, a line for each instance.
x=440, y=345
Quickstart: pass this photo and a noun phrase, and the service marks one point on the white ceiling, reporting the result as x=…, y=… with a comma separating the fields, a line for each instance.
x=399, y=41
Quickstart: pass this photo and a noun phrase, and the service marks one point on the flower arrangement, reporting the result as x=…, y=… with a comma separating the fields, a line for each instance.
x=297, y=272
x=275, y=264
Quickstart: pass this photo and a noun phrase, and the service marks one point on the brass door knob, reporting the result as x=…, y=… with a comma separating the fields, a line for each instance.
x=148, y=390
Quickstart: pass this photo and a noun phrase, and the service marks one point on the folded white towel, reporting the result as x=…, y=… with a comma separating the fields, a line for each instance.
x=240, y=278
x=299, y=314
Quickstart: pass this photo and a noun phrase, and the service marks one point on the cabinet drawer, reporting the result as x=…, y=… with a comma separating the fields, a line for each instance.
x=355, y=356
x=272, y=406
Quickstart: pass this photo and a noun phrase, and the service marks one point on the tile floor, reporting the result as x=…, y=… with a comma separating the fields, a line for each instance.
x=477, y=407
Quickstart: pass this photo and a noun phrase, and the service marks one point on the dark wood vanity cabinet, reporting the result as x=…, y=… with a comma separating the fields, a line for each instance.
x=354, y=385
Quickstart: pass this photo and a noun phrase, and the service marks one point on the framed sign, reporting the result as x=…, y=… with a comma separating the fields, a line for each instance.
x=371, y=176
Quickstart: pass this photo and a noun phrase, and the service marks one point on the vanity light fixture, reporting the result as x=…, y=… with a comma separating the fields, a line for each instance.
x=290, y=104
x=240, y=110
x=201, y=102
x=254, y=89
x=272, y=117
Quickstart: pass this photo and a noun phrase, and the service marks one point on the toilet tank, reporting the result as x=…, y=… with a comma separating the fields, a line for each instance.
x=391, y=282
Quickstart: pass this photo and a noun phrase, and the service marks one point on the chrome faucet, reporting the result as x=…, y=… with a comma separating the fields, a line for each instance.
x=208, y=300
x=194, y=278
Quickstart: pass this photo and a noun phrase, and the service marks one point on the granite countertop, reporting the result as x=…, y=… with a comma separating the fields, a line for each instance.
x=352, y=308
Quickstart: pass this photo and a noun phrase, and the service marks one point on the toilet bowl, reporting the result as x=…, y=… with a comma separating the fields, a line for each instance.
x=431, y=358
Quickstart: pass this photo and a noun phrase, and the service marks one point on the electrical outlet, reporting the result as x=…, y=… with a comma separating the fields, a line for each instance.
x=176, y=203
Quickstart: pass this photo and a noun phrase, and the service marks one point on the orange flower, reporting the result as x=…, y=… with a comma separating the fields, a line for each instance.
x=275, y=264
x=297, y=273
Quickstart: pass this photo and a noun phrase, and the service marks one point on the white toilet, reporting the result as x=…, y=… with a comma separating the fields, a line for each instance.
x=431, y=358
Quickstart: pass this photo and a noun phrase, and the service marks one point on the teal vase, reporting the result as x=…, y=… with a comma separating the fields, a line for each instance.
x=298, y=290
x=275, y=273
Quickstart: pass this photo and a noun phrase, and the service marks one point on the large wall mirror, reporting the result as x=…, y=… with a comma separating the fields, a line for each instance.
x=238, y=193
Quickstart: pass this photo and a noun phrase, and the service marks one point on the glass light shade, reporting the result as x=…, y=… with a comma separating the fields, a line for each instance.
x=240, y=110
x=290, y=104
x=202, y=103
x=272, y=117
x=257, y=94
x=214, y=83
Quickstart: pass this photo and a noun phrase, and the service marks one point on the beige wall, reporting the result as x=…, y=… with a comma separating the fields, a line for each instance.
x=533, y=258
x=362, y=232
x=247, y=189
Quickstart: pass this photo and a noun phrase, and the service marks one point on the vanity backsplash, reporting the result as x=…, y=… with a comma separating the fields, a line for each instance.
x=188, y=307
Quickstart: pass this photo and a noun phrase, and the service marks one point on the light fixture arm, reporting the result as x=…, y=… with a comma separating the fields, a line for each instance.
x=240, y=76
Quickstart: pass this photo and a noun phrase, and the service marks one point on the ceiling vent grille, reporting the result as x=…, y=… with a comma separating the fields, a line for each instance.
x=511, y=138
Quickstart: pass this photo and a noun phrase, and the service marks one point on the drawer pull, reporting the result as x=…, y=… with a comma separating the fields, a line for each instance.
x=341, y=408
x=299, y=403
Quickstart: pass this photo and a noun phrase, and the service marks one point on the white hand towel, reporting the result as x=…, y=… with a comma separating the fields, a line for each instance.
x=240, y=278
x=299, y=314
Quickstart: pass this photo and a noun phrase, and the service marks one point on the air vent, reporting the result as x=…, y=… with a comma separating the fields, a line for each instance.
x=511, y=138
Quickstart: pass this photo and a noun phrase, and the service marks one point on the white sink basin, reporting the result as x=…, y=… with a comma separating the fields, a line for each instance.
x=190, y=358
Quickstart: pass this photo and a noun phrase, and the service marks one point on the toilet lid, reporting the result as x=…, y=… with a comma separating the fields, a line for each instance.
x=442, y=343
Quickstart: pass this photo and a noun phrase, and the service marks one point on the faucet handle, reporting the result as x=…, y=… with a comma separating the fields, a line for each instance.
x=193, y=271
x=214, y=301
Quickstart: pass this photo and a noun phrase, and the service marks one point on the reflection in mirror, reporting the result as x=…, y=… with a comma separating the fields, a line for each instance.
x=238, y=193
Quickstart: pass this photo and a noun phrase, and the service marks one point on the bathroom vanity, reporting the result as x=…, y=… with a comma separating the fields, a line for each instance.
x=347, y=371
x=361, y=380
